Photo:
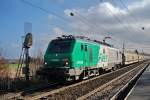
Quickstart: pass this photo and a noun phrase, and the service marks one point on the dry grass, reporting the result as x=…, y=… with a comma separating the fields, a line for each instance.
x=4, y=69
x=35, y=64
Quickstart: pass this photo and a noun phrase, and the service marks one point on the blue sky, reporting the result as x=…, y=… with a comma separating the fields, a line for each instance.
x=14, y=13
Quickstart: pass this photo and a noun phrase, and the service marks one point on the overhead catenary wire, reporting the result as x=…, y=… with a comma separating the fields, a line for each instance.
x=117, y=19
x=120, y=22
x=82, y=18
x=94, y=26
x=47, y=11
x=123, y=21
x=53, y=13
x=86, y=21
x=44, y=10
x=133, y=18
x=57, y=15
x=130, y=14
x=127, y=21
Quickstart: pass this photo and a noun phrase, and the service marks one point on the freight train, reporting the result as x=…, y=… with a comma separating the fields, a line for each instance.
x=72, y=58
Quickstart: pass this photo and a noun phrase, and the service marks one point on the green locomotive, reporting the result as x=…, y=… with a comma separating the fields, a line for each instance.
x=72, y=58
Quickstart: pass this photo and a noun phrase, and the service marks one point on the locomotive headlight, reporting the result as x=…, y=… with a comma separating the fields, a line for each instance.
x=45, y=63
x=66, y=63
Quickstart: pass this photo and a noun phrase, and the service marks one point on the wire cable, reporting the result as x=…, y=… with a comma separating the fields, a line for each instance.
x=94, y=26
x=121, y=14
x=132, y=16
x=118, y=20
x=43, y=9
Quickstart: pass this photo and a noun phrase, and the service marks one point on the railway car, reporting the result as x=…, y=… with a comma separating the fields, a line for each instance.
x=130, y=57
x=133, y=57
x=71, y=58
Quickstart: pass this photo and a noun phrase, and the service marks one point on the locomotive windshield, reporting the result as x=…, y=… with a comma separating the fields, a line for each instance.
x=59, y=46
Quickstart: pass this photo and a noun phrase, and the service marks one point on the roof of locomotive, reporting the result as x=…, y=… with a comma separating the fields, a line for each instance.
x=71, y=37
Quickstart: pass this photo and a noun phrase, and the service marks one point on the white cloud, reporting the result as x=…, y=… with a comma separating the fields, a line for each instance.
x=99, y=19
x=139, y=4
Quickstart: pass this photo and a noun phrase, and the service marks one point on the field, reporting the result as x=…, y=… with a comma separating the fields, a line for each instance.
x=13, y=66
x=33, y=68
x=9, y=68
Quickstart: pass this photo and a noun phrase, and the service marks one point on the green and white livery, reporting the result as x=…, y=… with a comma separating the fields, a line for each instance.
x=73, y=58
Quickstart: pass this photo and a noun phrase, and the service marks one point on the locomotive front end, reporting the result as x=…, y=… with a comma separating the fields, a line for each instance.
x=57, y=60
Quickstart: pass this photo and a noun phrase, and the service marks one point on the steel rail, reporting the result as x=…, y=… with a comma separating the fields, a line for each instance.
x=46, y=94
x=123, y=92
x=108, y=84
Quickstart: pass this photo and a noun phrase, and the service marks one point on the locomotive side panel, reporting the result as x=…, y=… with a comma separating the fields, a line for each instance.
x=103, y=57
x=114, y=58
x=85, y=54
x=84, y=57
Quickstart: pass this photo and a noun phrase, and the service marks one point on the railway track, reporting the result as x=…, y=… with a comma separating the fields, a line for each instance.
x=73, y=91
x=109, y=90
x=125, y=90
x=81, y=89
x=27, y=91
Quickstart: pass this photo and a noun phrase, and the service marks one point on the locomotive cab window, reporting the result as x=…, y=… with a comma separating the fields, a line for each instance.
x=85, y=47
x=81, y=46
x=59, y=46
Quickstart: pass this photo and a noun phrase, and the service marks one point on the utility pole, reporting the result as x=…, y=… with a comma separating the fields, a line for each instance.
x=123, y=56
x=123, y=48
